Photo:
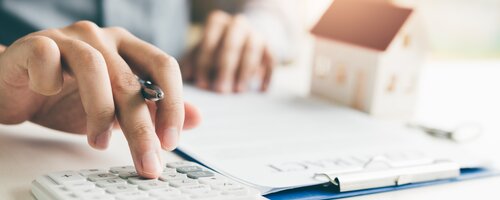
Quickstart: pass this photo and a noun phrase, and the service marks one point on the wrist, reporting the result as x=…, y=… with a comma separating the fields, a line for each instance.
x=2, y=48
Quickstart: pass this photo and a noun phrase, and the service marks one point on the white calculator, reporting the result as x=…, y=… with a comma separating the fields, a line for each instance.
x=179, y=181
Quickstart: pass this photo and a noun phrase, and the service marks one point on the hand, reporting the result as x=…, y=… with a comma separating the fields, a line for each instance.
x=80, y=79
x=229, y=56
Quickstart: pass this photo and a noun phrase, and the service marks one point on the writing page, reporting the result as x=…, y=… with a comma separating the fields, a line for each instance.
x=275, y=142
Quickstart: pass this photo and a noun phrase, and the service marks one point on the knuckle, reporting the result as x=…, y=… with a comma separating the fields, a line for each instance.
x=106, y=113
x=230, y=47
x=93, y=57
x=141, y=134
x=165, y=62
x=42, y=47
x=86, y=26
x=239, y=20
x=126, y=83
x=174, y=104
x=217, y=16
x=118, y=30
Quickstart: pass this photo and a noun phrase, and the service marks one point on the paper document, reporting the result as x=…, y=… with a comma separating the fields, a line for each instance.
x=276, y=142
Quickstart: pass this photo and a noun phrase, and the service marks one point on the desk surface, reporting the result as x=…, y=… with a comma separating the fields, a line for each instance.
x=27, y=150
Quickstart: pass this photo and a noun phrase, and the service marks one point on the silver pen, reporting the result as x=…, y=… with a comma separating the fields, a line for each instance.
x=150, y=91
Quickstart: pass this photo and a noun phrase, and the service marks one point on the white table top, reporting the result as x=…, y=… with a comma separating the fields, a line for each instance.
x=467, y=91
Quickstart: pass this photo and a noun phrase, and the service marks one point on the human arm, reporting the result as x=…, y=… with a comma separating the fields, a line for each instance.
x=240, y=48
x=81, y=79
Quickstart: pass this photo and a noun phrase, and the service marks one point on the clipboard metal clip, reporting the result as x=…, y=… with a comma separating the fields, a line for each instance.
x=391, y=175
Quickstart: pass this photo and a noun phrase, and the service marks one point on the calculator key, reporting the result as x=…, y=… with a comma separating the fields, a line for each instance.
x=67, y=196
x=165, y=192
x=90, y=192
x=67, y=176
x=117, y=170
x=153, y=185
x=169, y=170
x=183, y=182
x=188, y=169
x=213, y=179
x=205, y=195
x=98, y=197
x=200, y=174
x=180, y=164
x=136, y=195
x=226, y=185
x=194, y=189
x=79, y=185
x=170, y=177
x=109, y=182
x=128, y=174
x=136, y=180
x=180, y=197
x=86, y=172
x=101, y=176
x=116, y=189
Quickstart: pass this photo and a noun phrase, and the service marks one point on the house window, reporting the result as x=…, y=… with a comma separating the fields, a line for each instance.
x=340, y=74
x=323, y=67
x=391, y=86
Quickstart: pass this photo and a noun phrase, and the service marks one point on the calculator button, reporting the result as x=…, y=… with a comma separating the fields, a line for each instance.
x=109, y=182
x=173, y=198
x=183, y=182
x=118, y=170
x=136, y=180
x=205, y=194
x=169, y=170
x=170, y=177
x=213, y=179
x=86, y=172
x=90, y=192
x=188, y=169
x=165, y=192
x=84, y=185
x=116, y=189
x=132, y=195
x=67, y=176
x=227, y=185
x=98, y=197
x=194, y=189
x=153, y=185
x=200, y=174
x=128, y=174
x=180, y=164
x=101, y=176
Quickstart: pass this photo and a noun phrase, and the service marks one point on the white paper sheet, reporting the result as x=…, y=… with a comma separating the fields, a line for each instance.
x=276, y=142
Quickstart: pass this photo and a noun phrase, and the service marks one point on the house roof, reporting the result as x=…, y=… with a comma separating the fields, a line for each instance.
x=368, y=23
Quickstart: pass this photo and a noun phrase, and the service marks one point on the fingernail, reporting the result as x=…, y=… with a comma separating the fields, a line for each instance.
x=170, y=139
x=151, y=164
x=102, y=140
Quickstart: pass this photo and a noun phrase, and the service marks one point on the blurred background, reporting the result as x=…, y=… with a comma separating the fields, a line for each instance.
x=459, y=81
x=460, y=29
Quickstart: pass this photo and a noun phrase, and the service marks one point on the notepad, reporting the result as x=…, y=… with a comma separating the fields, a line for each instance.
x=275, y=142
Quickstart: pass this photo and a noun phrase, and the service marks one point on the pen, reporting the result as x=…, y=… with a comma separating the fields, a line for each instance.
x=150, y=91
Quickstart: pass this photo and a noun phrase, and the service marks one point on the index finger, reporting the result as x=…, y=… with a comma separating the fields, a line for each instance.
x=151, y=63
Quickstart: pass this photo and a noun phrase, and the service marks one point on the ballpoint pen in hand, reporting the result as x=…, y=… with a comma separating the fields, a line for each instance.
x=150, y=91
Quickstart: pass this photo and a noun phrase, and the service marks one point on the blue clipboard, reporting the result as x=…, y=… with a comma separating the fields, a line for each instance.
x=328, y=191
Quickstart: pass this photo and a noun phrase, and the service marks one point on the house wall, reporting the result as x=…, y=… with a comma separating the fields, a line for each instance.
x=344, y=73
x=398, y=74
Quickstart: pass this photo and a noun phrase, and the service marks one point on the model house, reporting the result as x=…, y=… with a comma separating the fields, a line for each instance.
x=367, y=56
